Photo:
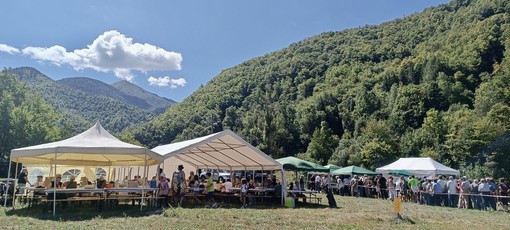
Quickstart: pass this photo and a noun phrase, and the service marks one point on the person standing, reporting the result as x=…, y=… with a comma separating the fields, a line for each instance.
x=465, y=193
x=436, y=193
x=22, y=180
x=392, y=188
x=503, y=192
x=476, y=200
x=444, y=191
x=485, y=191
x=493, y=188
x=413, y=185
x=318, y=183
x=164, y=190
x=347, y=186
x=179, y=184
x=340, y=185
x=453, y=198
x=210, y=190
x=381, y=184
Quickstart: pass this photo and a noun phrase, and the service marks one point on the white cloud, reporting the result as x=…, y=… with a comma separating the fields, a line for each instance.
x=8, y=49
x=167, y=81
x=110, y=52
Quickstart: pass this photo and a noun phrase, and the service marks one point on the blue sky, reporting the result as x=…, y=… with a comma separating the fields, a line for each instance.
x=175, y=45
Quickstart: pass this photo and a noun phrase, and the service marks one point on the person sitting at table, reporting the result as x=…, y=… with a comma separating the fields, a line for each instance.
x=278, y=189
x=217, y=185
x=227, y=186
x=291, y=186
x=237, y=182
x=72, y=183
x=58, y=182
x=39, y=183
x=101, y=182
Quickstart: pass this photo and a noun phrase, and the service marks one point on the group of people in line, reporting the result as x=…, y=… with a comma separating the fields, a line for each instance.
x=482, y=194
x=175, y=188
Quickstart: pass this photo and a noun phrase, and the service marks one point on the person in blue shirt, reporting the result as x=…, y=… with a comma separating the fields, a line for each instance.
x=437, y=192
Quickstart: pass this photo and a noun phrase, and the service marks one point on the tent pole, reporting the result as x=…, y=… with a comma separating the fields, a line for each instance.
x=284, y=185
x=15, y=183
x=143, y=186
x=8, y=186
x=55, y=185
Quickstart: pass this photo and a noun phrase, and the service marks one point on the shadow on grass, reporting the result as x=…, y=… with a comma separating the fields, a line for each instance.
x=75, y=212
x=79, y=213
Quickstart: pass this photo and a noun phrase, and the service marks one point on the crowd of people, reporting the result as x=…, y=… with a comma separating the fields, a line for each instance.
x=175, y=188
x=481, y=194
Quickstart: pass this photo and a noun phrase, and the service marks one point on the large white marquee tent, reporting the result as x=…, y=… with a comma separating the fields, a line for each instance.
x=419, y=167
x=94, y=147
x=224, y=150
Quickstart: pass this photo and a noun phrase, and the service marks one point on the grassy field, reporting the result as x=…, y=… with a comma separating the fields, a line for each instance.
x=352, y=213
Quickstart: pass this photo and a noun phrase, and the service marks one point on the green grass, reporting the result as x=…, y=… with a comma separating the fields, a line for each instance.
x=352, y=213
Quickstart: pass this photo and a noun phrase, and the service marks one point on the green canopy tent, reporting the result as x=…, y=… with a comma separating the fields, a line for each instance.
x=332, y=167
x=296, y=164
x=400, y=172
x=353, y=170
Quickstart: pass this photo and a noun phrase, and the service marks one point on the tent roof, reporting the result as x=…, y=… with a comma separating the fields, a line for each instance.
x=223, y=150
x=296, y=164
x=94, y=147
x=420, y=166
x=332, y=167
x=353, y=170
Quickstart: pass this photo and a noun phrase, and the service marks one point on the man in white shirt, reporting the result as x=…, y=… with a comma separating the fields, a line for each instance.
x=318, y=182
x=340, y=186
x=453, y=198
x=227, y=186
x=347, y=184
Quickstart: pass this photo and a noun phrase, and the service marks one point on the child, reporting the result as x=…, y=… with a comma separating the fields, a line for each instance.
x=164, y=189
x=244, y=191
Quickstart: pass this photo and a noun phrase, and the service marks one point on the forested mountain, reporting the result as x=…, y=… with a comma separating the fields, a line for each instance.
x=123, y=91
x=156, y=103
x=83, y=101
x=435, y=83
x=25, y=119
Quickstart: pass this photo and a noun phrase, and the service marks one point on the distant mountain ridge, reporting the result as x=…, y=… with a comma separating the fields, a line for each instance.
x=123, y=91
x=83, y=101
x=156, y=103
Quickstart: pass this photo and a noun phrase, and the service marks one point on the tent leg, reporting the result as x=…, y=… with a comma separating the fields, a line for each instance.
x=8, y=186
x=55, y=185
x=143, y=186
x=15, y=184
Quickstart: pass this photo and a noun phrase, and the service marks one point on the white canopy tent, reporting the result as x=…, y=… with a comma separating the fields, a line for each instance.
x=419, y=167
x=224, y=150
x=94, y=147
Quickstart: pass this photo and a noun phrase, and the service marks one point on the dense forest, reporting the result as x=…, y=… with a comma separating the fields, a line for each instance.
x=435, y=84
x=25, y=119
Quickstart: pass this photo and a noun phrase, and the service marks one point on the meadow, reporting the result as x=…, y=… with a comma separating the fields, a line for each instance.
x=352, y=213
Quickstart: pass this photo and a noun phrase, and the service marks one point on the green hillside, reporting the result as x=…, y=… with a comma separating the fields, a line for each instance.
x=80, y=109
x=432, y=84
